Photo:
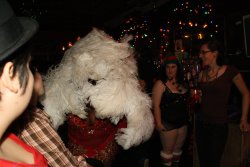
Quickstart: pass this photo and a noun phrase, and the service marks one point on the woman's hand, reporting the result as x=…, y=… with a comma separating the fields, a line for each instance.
x=244, y=126
x=159, y=127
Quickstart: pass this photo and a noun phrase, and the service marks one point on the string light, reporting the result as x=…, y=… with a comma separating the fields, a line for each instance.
x=190, y=20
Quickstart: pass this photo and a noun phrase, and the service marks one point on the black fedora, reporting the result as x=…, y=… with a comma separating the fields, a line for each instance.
x=14, y=31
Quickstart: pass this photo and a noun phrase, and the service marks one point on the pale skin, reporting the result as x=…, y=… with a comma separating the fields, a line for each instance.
x=14, y=100
x=172, y=141
x=209, y=60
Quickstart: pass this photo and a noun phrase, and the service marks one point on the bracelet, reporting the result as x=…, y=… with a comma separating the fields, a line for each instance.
x=243, y=119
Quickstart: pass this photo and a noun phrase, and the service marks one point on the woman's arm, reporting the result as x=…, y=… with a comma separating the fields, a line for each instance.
x=240, y=84
x=158, y=89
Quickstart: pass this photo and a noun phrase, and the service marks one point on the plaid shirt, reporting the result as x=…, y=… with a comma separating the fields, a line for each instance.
x=40, y=134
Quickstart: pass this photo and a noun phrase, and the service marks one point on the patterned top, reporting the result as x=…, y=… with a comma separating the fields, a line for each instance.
x=40, y=134
x=39, y=160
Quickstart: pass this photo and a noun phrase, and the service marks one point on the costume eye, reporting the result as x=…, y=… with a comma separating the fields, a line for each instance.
x=92, y=81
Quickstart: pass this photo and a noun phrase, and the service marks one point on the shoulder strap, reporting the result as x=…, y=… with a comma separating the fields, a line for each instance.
x=166, y=87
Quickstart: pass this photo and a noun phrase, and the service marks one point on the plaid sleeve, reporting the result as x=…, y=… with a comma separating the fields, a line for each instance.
x=40, y=134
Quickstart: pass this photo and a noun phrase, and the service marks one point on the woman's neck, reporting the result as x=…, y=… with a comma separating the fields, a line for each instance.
x=172, y=79
x=213, y=68
x=5, y=120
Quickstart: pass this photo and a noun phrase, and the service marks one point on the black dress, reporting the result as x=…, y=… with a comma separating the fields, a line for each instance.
x=174, y=113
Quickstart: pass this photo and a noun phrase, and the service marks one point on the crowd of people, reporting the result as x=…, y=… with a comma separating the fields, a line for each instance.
x=28, y=138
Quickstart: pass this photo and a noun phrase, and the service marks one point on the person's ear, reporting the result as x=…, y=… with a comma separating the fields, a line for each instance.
x=8, y=79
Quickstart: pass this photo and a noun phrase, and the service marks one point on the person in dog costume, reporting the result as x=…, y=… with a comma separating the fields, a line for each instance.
x=96, y=81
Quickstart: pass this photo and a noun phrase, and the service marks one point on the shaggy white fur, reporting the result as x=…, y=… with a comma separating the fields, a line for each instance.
x=116, y=93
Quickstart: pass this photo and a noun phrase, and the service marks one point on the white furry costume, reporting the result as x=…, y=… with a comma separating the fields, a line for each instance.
x=116, y=93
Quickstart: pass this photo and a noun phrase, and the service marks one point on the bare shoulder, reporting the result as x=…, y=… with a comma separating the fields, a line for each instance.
x=238, y=77
x=159, y=85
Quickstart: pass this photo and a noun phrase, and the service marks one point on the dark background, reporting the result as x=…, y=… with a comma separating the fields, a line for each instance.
x=64, y=20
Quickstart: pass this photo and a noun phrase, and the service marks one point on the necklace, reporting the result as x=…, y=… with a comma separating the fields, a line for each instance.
x=177, y=86
x=213, y=75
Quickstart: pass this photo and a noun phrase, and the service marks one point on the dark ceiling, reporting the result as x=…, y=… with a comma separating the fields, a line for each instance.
x=76, y=14
x=64, y=20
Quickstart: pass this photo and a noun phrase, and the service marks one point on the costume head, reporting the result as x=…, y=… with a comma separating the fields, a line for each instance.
x=14, y=31
x=100, y=71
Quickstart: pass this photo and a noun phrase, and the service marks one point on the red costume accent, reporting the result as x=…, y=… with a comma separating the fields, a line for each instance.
x=39, y=160
x=93, y=140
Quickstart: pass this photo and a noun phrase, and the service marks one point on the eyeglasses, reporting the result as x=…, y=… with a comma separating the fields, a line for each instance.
x=203, y=52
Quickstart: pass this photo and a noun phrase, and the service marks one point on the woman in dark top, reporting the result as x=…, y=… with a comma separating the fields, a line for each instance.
x=215, y=83
x=170, y=111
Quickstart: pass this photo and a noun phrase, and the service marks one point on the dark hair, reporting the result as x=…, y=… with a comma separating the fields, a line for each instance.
x=214, y=44
x=179, y=75
x=28, y=115
x=20, y=59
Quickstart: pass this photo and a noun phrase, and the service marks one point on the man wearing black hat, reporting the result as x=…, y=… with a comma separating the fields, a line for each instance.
x=16, y=86
x=14, y=34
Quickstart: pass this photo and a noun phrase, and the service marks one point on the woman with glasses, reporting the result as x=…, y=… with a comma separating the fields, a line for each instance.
x=212, y=121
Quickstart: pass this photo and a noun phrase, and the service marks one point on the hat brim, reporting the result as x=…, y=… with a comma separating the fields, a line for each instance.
x=30, y=27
